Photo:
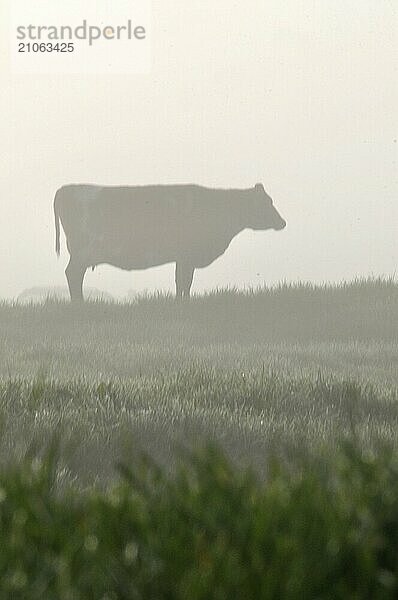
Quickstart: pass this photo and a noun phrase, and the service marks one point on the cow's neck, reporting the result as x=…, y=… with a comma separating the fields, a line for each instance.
x=240, y=214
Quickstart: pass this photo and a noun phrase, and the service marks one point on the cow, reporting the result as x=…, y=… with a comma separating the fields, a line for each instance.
x=147, y=226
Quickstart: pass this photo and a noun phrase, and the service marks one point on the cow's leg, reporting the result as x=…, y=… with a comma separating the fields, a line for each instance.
x=75, y=272
x=184, y=278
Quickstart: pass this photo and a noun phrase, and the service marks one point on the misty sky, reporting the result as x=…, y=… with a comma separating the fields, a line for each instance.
x=301, y=95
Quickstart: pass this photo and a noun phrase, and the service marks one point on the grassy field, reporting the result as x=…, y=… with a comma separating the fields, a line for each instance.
x=322, y=528
x=287, y=368
x=276, y=379
x=349, y=330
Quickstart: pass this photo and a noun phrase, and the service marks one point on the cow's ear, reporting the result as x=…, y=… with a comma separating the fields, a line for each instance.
x=259, y=187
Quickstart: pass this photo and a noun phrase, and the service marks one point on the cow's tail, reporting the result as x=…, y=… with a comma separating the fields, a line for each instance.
x=57, y=226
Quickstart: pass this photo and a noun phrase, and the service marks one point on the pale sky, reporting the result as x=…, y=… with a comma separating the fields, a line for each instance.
x=301, y=95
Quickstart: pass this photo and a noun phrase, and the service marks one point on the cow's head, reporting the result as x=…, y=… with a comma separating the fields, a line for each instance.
x=263, y=214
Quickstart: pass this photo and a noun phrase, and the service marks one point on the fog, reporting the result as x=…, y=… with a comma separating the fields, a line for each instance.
x=299, y=95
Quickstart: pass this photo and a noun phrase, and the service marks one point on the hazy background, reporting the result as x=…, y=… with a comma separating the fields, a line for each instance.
x=301, y=95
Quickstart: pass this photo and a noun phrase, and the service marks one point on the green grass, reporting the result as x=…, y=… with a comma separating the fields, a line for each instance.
x=317, y=528
x=248, y=415
x=349, y=330
x=274, y=378
x=248, y=371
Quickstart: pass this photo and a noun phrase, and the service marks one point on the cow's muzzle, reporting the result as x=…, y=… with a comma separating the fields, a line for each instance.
x=280, y=225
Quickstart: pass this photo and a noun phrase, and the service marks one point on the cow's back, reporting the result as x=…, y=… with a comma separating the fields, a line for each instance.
x=138, y=227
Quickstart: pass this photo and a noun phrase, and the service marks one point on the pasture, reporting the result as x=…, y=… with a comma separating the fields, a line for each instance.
x=296, y=386
x=285, y=369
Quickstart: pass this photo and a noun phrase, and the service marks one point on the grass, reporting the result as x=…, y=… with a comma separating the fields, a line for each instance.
x=274, y=378
x=349, y=330
x=286, y=367
x=249, y=415
x=317, y=528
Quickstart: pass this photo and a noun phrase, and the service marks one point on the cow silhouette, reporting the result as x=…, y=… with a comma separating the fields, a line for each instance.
x=142, y=227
